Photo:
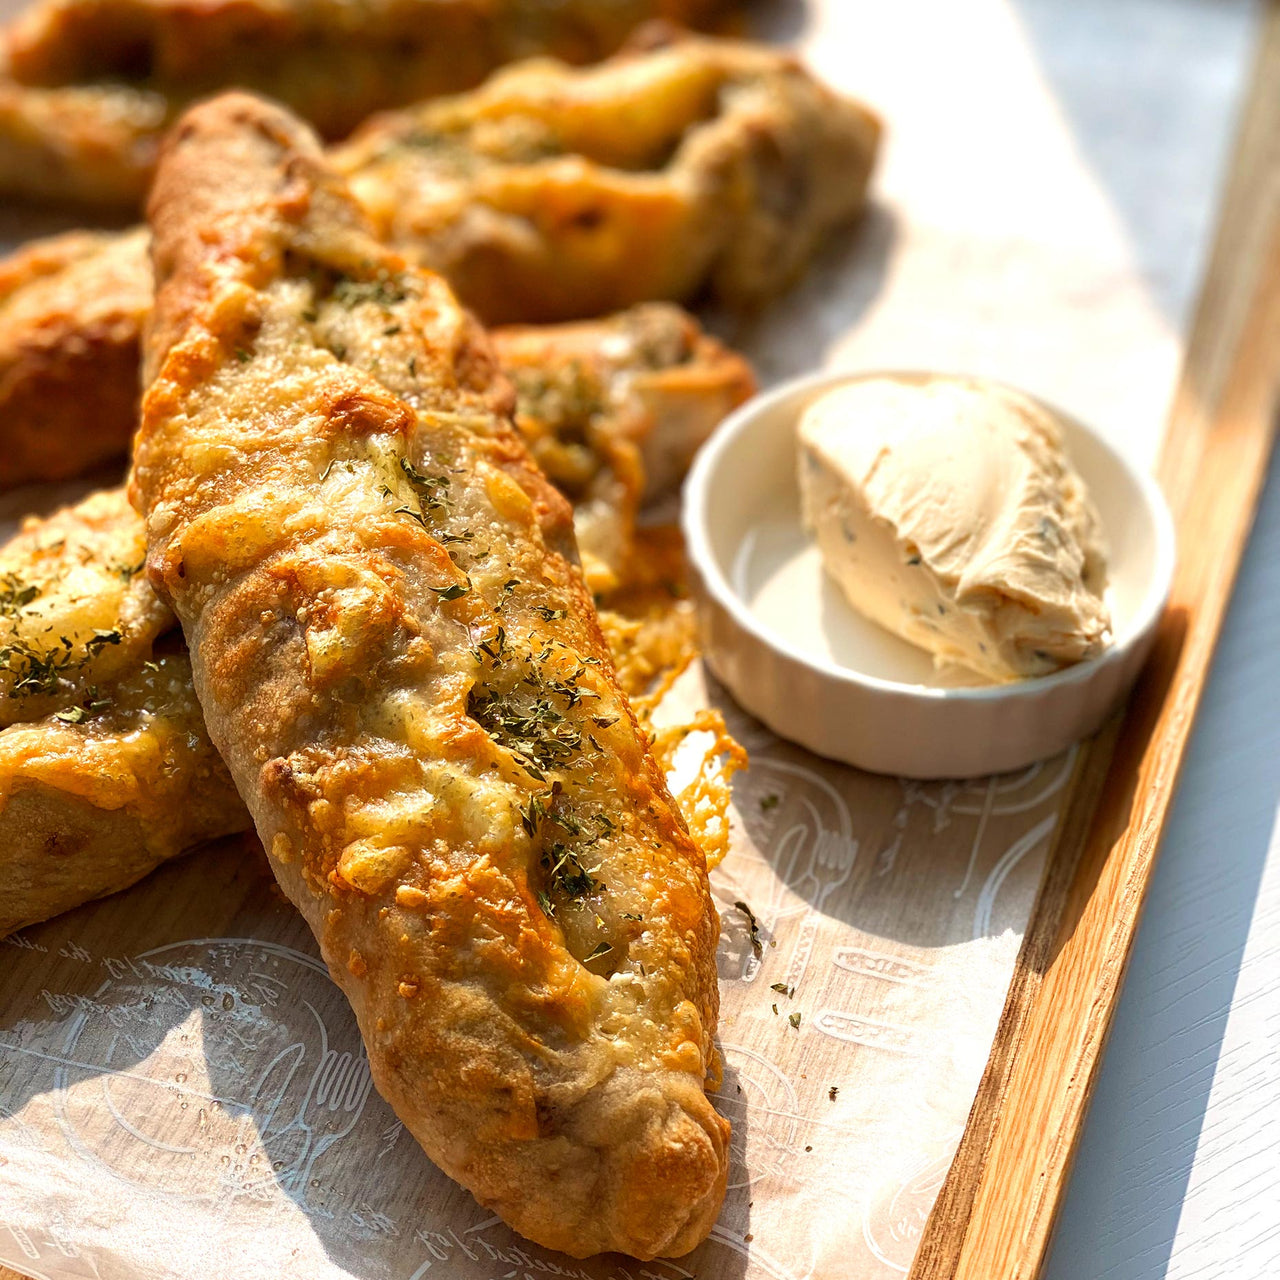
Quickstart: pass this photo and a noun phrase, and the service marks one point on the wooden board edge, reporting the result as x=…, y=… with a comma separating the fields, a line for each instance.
x=995, y=1213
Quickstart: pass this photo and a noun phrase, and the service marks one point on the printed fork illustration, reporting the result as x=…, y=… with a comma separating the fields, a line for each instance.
x=335, y=1096
x=814, y=862
x=829, y=864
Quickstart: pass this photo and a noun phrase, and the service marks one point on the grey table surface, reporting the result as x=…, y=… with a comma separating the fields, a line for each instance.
x=1178, y=1172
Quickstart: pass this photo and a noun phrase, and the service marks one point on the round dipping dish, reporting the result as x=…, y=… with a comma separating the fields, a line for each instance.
x=778, y=633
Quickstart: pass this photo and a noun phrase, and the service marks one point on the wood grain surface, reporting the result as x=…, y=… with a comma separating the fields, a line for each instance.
x=997, y=1207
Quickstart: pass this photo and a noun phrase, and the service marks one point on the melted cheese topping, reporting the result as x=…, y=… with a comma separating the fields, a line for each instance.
x=75, y=607
x=552, y=192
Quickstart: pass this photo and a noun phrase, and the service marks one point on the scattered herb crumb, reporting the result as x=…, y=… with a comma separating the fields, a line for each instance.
x=78, y=715
x=15, y=594
x=831, y=1093
x=600, y=949
x=768, y=802
x=783, y=989
x=100, y=639
x=384, y=291
x=794, y=1019
x=432, y=490
x=754, y=926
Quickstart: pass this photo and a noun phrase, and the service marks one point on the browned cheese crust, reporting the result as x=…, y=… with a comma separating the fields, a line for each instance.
x=108, y=770
x=90, y=802
x=105, y=767
x=613, y=411
x=549, y=193
x=101, y=782
x=402, y=668
x=91, y=84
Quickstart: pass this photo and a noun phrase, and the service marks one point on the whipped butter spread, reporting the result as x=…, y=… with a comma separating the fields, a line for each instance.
x=948, y=512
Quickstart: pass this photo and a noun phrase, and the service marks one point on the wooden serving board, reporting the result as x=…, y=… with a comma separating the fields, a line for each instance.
x=876, y=926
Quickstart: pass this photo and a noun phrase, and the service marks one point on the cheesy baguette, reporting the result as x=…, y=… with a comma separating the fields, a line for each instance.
x=400, y=665
x=106, y=768
x=72, y=308
x=703, y=167
x=87, y=87
x=85, y=145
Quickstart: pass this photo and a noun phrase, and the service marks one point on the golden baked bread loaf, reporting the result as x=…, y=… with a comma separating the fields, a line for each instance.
x=401, y=666
x=87, y=145
x=701, y=167
x=107, y=770
x=101, y=782
x=613, y=411
x=89, y=86
x=97, y=790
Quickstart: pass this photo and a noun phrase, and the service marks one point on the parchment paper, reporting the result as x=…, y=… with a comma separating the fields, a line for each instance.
x=183, y=1092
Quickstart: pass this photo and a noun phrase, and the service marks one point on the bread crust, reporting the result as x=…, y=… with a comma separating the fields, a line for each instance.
x=71, y=315
x=450, y=784
x=612, y=409
x=96, y=791
x=87, y=809
x=92, y=146
x=704, y=166
x=105, y=767
x=92, y=84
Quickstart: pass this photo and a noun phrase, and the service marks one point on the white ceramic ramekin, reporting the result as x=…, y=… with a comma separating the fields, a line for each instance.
x=838, y=685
